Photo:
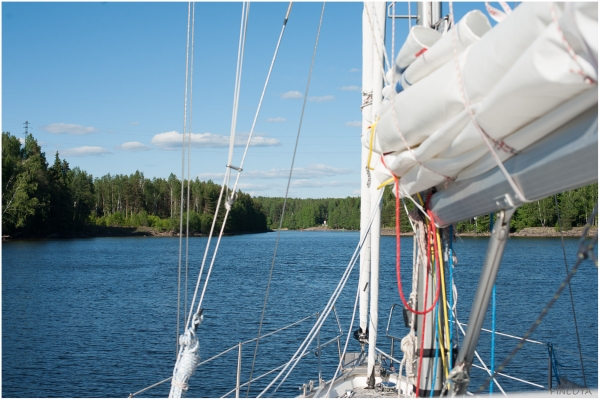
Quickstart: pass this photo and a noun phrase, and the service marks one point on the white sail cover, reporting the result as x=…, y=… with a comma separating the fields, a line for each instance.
x=539, y=57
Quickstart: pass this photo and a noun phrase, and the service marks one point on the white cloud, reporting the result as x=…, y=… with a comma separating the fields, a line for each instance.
x=71, y=129
x=22, y=140
x=84, y=151
x=354, y=70
x=276, y=119
x=350, y=88
x=320, y=99
x=133, y=146
x=134, y=123
x=214, y=176
x=356, y=192
x=354, y=123
x=172, y=140
x=294, y=94
x=308, y=183
x=246, y=187
x=310, y=172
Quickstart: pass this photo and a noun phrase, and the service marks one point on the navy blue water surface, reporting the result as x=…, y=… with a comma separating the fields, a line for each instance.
x=97, y=317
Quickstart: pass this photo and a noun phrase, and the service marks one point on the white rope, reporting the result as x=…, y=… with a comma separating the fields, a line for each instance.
x=189, y=145
x=187, y=360
x=262, y=96
x=512, y=377
x=393, y=45
x=238, y=81
x=290, y=174
x=484, y=136
x=229, y=203
x=509, y=336
x=406, y=209
x=187, y=51
x=347, y=340
x=478, y=357
x=378, y=46
x=225, y=178
x=312, y=334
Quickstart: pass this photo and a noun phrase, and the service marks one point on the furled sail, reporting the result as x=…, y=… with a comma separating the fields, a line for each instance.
x=477, y=81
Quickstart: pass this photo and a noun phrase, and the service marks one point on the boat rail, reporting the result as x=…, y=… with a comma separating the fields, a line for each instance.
x=317, y=349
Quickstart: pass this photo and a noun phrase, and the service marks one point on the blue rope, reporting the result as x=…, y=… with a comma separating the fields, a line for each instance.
x=450, y=298
x=437, y=325
x=493, y=350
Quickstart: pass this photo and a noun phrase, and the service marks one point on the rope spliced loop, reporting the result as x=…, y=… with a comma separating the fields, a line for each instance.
x=188, y=358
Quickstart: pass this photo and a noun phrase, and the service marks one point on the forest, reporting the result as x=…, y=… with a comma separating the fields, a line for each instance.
x=41, y=200
x=575, y=207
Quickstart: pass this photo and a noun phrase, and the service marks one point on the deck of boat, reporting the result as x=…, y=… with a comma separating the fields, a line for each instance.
x=353, y=382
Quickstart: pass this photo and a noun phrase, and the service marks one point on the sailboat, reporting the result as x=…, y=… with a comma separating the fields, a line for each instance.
x=467, y=120
x=478, y=121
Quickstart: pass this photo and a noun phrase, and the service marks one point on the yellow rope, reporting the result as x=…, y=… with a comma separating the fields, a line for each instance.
x=373, y=125
x=441, y=344
x=420, y=199
x=439, y=242
x=391, y=180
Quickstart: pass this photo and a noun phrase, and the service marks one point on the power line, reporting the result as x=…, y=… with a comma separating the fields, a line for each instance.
x=26, y=124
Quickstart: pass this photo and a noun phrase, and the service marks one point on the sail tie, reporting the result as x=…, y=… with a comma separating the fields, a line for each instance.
x=372, y=128
x=587, y=79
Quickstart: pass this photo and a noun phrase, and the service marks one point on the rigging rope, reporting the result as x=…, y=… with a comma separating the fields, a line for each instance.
x=444, y=302
x=493, y=346
x=435, y=348
x=336, y=293
x=424, y=323
x=189, y=145
x=450, y=293
x=187, y=68
x=379, y=47
x=562, y=240
x=238, y=83
x=284, y=201
x=347, y=340
x=243, y=25
x=485, y=367
x=398, y=274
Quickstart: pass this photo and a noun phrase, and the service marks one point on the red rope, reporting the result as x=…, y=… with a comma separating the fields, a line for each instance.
x=398, y=275
x=431, y=240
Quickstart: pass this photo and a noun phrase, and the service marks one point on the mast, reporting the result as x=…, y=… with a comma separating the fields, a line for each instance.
x=377, y=15
x=365, y=196
x=428, y=13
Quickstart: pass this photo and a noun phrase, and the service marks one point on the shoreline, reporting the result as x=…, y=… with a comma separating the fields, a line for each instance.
x=144, y=231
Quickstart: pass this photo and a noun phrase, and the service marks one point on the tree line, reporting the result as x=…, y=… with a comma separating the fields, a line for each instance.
x=574, y=207
x=39, y=199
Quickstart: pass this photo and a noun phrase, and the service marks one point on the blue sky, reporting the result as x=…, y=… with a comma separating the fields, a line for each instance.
x=103, y=84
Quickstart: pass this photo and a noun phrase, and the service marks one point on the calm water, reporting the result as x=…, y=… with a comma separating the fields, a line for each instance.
x=97, y=317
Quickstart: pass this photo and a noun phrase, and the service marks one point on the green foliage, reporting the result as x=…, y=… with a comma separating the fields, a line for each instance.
x=41, y=200
x=574, y=207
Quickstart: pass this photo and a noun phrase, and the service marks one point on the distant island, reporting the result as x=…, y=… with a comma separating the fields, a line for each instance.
x=42, y=200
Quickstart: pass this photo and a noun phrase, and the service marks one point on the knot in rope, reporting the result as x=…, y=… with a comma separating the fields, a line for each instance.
x=230, y=201
x=408, y=345
x=188, y=360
